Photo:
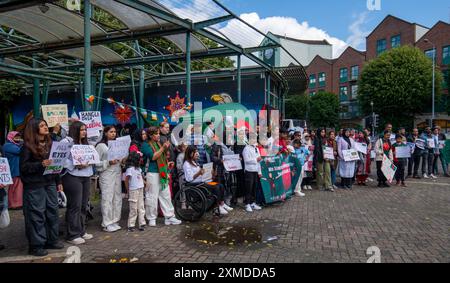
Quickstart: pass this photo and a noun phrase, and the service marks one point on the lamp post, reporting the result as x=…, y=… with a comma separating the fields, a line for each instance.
x=373, y=119
x=432, y=93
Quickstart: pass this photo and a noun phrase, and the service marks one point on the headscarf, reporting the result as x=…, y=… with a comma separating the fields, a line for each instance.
x=347, y=139
x=11, y=136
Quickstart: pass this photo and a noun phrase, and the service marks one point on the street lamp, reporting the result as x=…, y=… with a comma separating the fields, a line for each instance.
x=373, y=120
x=434, y=63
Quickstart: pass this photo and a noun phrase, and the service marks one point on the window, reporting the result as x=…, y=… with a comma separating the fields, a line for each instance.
x=354, y=91
x=343, y=93
x=312, y=81
x=381, y=46
x=343, y=75
x=430, y=53
x=446, y=55
x=322, y=78
x=355, y=72
x=312, y=93
x=395, y=41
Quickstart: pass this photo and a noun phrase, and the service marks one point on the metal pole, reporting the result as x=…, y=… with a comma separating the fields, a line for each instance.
x=239, y=79
x=87, y=50
x=36, y=95
x=188, y=66
x=432, y=106
x=100, y=90
x=268, y=89
x=138, y=122
x=141, y=92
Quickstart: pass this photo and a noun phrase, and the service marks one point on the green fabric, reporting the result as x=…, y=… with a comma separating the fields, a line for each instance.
x=446, y=151
x=162, y=165
x=148, y=153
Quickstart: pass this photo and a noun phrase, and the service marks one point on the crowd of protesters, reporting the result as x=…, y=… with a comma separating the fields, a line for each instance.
x=158, y=165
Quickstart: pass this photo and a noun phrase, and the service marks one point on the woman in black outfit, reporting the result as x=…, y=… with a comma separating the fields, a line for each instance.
x=40, y=198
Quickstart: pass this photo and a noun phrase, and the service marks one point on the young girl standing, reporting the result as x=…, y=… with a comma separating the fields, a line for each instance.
x=134, y=183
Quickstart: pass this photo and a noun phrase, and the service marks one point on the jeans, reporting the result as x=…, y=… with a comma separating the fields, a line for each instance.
x=414, y=163
x=430, y=162
x=333, y=176
x=251, y=183
x=424, y=161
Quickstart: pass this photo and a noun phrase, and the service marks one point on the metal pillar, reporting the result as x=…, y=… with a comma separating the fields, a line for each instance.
x=36, y=94
x=239, y=79
x=99, y=98
x=87, y=50
x=138, y=122
x=188, y=67
x=46, y=86
x=433, y=115
x=141, y=92
x=268, y=88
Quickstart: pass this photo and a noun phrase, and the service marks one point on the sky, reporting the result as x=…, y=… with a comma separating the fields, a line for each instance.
x=341, y=22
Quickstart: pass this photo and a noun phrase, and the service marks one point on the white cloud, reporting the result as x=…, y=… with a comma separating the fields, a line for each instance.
x=357, y=39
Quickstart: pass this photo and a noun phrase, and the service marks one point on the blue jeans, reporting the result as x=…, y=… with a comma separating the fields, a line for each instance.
x=333, y=176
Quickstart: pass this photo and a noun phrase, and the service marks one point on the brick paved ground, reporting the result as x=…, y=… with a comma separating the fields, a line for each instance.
x=407, y=224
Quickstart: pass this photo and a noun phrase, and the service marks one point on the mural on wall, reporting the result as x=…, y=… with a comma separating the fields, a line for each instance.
x=122, y=113
x=222, y=98
x=177, y=107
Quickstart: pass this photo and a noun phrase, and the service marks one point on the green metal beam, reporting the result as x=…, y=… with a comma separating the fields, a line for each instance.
x=26, y=74
x=188, y=67
x=239, y=77
x=133, y=87
x=212, y=22
x=87, y=51
x=100, y=90
x=36, y=95
x=141, y=92
x=260, y=48
x=45, y=93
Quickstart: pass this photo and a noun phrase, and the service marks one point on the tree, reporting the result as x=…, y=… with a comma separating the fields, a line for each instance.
x=297, y=106
x=324, y=110
x=399, y=84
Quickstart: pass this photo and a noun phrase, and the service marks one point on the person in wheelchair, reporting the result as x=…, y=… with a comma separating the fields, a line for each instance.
x=193, y=177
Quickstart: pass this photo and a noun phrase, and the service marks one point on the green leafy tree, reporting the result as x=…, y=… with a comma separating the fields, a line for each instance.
x=297, y=106
x=399, y=84
x=324, y=110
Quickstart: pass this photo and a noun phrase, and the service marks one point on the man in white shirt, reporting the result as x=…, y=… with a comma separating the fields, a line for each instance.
x=252, y=158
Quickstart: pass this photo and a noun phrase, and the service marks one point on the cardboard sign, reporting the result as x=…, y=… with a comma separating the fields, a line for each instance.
x=420, y=143
x=328, y=153
x=403, y=152
x=93, y=122
x=388, y=168
x=361, y=147
x=232, y=162
x=59, y=153
x=119, y=148
x=55, y=114
x=412, y=146
x=5, y=172
x=350, y=155
x=84, y=154
x=207, y=176
x=431, y=143
x=441, y=144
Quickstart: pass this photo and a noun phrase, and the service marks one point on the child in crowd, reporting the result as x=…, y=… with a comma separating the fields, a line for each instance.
x=399, y=162
x=134, y=182
x=301, y=153
x=252, y=157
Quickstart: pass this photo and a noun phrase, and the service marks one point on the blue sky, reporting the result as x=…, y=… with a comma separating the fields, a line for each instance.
x=346, y=20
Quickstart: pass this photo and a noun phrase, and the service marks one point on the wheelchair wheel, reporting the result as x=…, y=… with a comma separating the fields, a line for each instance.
x=190, y=204
x=210, y=199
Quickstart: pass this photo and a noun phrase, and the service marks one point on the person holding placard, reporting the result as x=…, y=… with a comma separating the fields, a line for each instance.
x=383, y=147
x=440, y=139
x=110, y=181
x=321, y=163
x=414, y=161
x=428, y=154
x=399, y=162
x=157, y=187
x=77, y=185
x=346, y=168
x=361, y=165
x=40, y=197
x=334, y=163
x=12, y=149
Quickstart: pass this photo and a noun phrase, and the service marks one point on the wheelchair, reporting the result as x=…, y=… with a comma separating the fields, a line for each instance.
x=192, y=201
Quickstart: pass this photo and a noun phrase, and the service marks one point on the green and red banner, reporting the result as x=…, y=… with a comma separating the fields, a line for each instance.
x=280, y=175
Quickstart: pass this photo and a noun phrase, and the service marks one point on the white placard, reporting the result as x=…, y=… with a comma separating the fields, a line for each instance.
x=431, y=143
x=5, y=172
x=361, y=147
x=207, y=175
x=441, y=144
x=392, y=138
x=59, y=153
x=119, y=148
x=232, y=162
x=93, y=122
x=373, y=154
x=403, y=151
x=84, y=154
x=420, y=143
x=350, y=155
x=55, y=114
x=388, y=168
x=328, y=153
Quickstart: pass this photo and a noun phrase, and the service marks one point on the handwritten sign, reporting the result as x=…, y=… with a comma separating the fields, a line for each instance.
x=361, y=147
x=403, y=152
x=5, y=172
x=207, y=176
x=93, y=122
x=388, y=168
x=350, y=155
x=55, y=114
x=328, y=153
x=119, y=148
x=59, y=153
x=84, y=154
x=232, y=162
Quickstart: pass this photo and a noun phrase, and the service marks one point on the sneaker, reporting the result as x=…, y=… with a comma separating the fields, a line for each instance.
x=77, y=241
x=248, y=208
x=433, y=176
x=369, y=179
x=331, y=189
x=87, y=236
x=335, y=187
x=172, y=221
x=55, y=246
x=38, y=252
x=142, y=228
x=299, y=194
x=110, y=228
x=255, y=206
x=152, y=223
x=227, y=207
x=131, y=229
x=222, y=210
x=116, y=225
x=425, y=176
x=309, y=188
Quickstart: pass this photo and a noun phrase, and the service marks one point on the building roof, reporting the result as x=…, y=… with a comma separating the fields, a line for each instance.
x=305, y=41
x=432, y=29
x=395, y=18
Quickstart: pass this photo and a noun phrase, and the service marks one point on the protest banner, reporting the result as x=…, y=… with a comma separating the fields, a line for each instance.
x=412, y=146
x=93, y=122
x=55, y=114
x=280, y=175
x=328, y=153
x=431, y=143
x=388, y=168
x=84, y=154
x=403, y=152
x=420, y=143
x=207, y=176
x=5, y=172
x=119, y=149
x=350, y=155
x=361, y=147
x=58, y=154
x=232, y=162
